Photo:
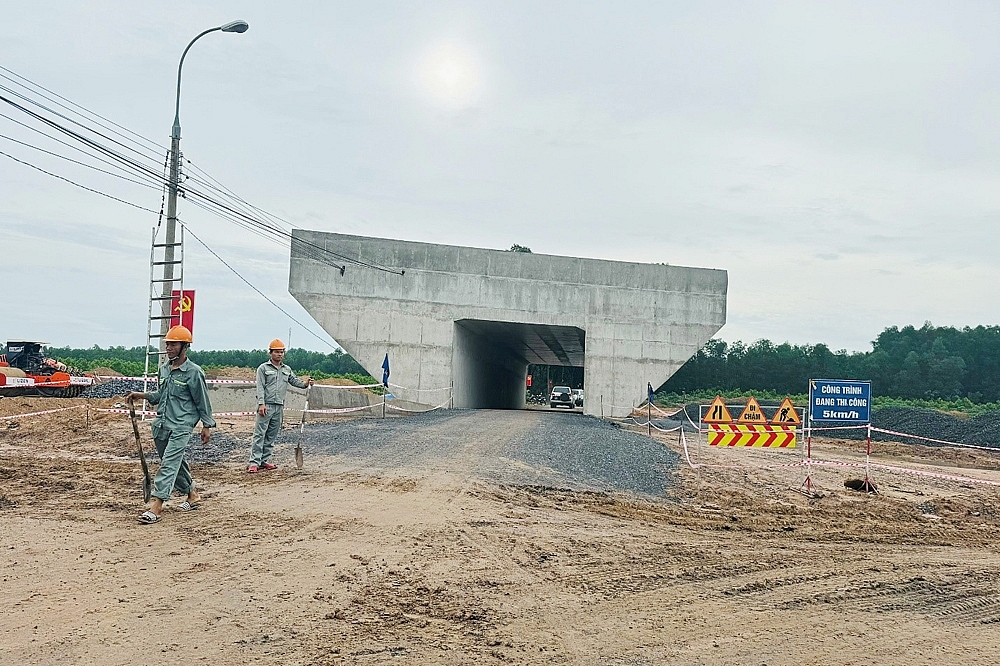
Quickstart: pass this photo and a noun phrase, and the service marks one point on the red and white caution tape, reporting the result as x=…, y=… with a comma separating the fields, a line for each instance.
x=152, y=379
x=419, y=390
x=341, y=410
x=937, y=441
x=47, y=411
x=901, y=470
x=116, y=410
x=418, y=411
x=140, y=412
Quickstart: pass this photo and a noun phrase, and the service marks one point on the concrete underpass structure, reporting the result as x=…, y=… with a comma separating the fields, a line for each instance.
x=464, y=323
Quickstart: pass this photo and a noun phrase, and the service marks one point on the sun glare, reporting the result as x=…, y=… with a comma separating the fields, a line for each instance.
x=450, y=76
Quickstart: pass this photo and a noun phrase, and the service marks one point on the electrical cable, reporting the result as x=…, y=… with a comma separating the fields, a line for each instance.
x=128, y=161
x=219, y=208
x=71, y=182
x=75, y=122
x=72, y=147
x=250, y=284
x=70, y=159
x=149, y=141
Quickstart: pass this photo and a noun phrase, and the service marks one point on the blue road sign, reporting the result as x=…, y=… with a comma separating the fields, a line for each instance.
x=840, y=400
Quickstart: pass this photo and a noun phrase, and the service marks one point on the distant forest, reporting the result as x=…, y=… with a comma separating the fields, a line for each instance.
x=926, y=363
x=929, y=362
x=130, y=360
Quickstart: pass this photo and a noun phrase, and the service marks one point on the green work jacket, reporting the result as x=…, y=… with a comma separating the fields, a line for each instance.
x=272, y=383
x=182, y=399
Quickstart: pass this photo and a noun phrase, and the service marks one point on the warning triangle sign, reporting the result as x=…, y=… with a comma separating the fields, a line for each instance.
x=752, y=413
x=786, y=414
x=717, y=412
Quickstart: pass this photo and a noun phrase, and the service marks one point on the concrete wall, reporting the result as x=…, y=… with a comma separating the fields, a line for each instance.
x=641, y=321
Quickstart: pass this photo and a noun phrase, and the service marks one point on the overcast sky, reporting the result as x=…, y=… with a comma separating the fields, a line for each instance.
x=839, y=160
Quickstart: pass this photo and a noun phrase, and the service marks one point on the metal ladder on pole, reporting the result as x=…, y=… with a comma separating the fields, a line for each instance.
x=161, y=288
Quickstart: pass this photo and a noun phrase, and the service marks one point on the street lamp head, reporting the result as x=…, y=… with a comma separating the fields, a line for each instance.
x=235, y=26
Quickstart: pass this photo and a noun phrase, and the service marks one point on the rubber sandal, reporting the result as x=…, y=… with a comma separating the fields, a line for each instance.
x=252, y=469
x=269, y=466
x=148, y=518
x=187, y=506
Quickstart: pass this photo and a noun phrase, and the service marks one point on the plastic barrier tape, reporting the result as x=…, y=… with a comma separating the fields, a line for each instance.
x=47, y=411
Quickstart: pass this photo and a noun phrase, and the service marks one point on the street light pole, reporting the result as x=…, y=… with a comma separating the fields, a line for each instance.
x=170, y=233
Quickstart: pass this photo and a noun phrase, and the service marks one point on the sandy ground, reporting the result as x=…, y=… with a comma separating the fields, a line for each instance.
x=341, y=563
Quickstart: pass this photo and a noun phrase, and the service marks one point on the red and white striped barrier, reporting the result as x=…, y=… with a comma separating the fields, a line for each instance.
x=417, y=411
x=140, y=412
x=418, y=390
x=47, y=411
x=340, y=410
x=117, y=410
x=152, y=379
x=937, y=441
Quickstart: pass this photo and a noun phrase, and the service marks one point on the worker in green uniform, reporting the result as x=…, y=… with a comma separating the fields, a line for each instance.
x=182, y=401
x=273, y=378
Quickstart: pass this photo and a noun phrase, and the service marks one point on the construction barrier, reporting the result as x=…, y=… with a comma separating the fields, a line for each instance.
x=756, y=436
x=47, y=411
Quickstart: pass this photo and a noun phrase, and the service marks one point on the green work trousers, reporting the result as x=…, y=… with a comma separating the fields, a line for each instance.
x=265, y=433
x=174, y=473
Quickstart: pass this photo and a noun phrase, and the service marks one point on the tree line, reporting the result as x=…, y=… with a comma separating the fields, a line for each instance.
x=930, y=362
x=131, y=360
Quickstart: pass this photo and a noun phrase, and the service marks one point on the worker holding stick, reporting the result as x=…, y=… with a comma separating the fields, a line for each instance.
x=273, y=378
x=182, y=401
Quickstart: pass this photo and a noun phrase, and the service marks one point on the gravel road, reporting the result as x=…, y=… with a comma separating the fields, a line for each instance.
x=512, y=447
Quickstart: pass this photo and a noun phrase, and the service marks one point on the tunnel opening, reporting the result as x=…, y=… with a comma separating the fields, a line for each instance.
x=491, y=358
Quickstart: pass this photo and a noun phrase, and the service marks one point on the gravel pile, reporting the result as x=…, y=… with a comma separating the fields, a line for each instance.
x=595, y=454
x=563, y=450
x=984, y=430
x=112, y=389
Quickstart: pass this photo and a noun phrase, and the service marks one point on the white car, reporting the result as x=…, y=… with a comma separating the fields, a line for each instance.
x=578, y=397
x=561, y=396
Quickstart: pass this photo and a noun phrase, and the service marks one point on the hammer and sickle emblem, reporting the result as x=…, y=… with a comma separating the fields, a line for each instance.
x=183, y=304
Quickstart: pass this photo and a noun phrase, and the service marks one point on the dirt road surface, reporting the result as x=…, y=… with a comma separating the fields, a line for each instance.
x=490, y=537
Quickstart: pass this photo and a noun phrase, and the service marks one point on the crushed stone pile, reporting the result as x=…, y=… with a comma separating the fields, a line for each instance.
x=113, y=388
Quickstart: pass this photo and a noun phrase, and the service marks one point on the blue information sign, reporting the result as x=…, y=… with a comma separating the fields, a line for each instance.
x=840, y=400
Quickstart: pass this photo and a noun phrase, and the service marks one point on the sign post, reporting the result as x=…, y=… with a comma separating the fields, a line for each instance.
x=838, y=401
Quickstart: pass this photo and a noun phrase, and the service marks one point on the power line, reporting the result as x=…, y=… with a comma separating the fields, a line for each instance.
x=103, y=160
x=71, y=182
x=246, y=216
x=70, y=159
x=250, y=284
x=158, y=148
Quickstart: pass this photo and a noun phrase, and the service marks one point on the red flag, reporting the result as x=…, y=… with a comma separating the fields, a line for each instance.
x=182, y=309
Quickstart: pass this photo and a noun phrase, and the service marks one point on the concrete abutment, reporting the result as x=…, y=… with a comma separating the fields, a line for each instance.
x=473, y=319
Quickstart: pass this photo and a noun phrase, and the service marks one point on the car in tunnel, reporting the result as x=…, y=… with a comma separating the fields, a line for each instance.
x=578, y=397
x=561, y=396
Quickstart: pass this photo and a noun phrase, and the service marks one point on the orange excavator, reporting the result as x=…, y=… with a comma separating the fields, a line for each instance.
x=26, y=370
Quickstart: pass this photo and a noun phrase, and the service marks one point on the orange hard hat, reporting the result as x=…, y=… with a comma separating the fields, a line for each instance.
x=276, y=344
x=178, y=334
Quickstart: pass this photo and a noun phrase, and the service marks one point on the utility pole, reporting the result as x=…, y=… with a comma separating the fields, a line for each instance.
x=171, y=243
